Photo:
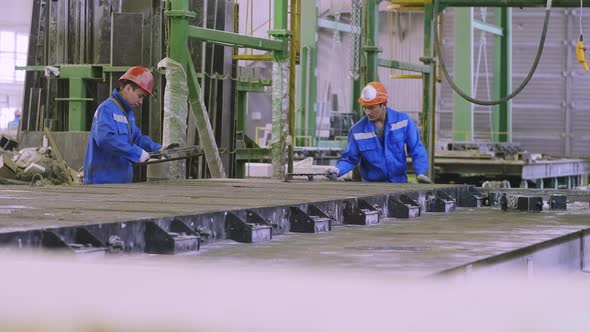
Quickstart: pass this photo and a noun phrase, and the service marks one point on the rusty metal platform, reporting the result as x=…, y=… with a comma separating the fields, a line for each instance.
x=28, y=208
x=431, y=243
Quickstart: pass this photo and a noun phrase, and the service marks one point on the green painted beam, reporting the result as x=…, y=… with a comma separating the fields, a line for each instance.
x=333, y=25
x=462, y=74
x=79, y=71
x=502, y=114
x=231, y=39
x=253, y=86
x=254, y=154
x=495, y=3
x=204, y=129
x=114, y=69
x=404, y=66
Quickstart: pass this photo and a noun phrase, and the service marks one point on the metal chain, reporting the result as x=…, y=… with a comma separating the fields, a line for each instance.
x=355, y=48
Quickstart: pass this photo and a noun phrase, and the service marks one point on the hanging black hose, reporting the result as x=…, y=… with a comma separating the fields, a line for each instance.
x=437, y=48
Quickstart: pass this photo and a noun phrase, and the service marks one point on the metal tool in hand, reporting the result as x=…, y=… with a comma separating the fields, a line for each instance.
x=174, y=154
x=289, y=176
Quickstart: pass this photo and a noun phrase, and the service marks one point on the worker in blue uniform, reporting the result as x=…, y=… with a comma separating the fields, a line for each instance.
x=115, y=142
x=15, y=122
x=379, y=140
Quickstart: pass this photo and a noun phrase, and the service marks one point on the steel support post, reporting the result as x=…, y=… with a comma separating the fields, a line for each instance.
x=369, y=42
x=178, y=37
x=293, y=52
x=463, y=70
x=76, y=76
x=502, y=114
x=428, y=89
x=178, y=51
x=77, y=105
x=280, y=101
x=206, y=137
x=307, y=92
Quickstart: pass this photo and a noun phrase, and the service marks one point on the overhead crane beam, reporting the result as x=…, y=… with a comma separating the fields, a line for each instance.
x=493, y=3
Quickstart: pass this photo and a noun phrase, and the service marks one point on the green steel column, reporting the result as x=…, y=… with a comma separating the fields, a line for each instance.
x=77, y=105
x=462, y=69
x=302, y=91
x=280, y=84
x=369, y=61
x=206, y=137
x=502, y=114
x=178, y=50
x=370, y=46
x=293, y=52
x=428, y=89
x=178, y=36
x=307, y=89
x=76, y=75
x=241, y=123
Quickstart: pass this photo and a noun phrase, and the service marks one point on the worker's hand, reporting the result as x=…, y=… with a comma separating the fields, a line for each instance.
x=423, y=179
x=332, y=173
x=171, y=146
x=144, y=156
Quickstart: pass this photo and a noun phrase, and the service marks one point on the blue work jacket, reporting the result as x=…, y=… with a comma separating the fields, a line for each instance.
x=387, y=162
x=115, y=143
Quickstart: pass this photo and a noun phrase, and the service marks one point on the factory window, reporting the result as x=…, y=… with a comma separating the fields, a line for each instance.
x=13, y=52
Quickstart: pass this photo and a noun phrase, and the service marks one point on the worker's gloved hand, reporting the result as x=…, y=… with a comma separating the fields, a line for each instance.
x=423, y=179
x=332, y=173
x=171, y=146
x=144, y=156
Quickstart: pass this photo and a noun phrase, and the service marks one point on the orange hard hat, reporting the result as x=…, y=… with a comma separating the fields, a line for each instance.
x=140, y=76
x=373, y=94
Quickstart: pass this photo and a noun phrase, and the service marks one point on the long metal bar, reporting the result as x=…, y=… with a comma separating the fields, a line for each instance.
x=339, y=26
x=487, y=27
x=234, y=39
x=494, y=3
x=404, y=66
x=206, y=137
x=253, y=57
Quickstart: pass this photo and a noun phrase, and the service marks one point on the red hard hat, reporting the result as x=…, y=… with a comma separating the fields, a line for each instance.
x=140, y=76
x=373, y=94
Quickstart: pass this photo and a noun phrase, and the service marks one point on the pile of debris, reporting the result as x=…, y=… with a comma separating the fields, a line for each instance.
x=35, y=166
